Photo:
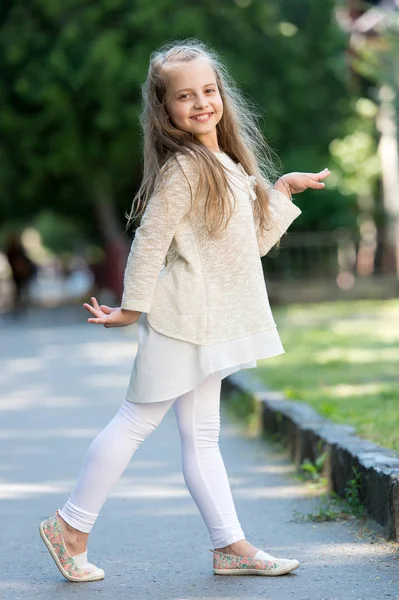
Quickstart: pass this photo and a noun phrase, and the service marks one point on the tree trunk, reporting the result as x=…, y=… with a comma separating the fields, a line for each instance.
x=388, y=150
x=116, y=247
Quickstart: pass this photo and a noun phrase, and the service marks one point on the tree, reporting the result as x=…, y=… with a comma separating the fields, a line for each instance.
x=70, y=99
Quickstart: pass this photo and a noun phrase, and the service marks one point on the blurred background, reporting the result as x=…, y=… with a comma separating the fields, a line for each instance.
x=325, y=76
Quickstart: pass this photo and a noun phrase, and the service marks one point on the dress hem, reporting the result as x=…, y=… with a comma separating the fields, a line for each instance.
x=236, y=367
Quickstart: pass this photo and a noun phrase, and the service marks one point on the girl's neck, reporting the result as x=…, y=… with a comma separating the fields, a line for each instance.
x=214, y=149
x=210, y=140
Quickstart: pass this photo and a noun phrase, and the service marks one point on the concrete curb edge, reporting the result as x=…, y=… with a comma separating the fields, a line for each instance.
x=304, y=431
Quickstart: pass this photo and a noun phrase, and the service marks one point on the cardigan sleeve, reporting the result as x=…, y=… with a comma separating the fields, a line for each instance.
x=163, y=214
x=282, y=213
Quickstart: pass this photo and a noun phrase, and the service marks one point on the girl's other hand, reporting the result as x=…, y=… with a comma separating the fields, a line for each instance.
x=299, y=182
x=110, y=317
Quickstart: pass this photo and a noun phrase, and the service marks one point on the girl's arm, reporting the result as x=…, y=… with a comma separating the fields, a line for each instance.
x=282, y=210
x=110, y=317
x=299, y=182
x=282, y=213
x=164, y=213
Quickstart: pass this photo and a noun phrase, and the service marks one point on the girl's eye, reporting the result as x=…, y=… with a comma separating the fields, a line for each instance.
x=184, y=96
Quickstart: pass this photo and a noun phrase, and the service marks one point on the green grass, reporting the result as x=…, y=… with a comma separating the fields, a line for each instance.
x=342, y=358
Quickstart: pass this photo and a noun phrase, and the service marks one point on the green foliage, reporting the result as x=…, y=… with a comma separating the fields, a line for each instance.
x=341, y=358
x=356, y=153
x=243, y=409
x=242, y=405
x=353, y=493
x=332, y=507
x=315, y=469
x=58, y=234
x=70, y=95
x=378, y=61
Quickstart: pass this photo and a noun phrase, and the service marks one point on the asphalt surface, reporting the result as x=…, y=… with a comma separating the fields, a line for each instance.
x=61, y=381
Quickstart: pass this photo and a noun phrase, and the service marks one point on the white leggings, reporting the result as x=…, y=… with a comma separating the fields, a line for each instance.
x=198, y=420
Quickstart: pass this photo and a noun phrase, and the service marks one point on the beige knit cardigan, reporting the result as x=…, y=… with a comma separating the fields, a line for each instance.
x=211, y=289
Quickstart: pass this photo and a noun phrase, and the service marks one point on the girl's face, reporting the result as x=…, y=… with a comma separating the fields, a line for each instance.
x=193, y=101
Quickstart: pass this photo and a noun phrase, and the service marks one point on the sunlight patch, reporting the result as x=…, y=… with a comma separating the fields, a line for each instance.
x=356, y=355
x=106, y=354
x=344, y=390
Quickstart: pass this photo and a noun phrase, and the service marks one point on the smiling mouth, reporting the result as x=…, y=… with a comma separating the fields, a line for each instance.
x=202, y=118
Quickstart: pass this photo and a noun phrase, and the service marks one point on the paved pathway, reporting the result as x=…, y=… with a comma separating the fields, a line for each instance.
x=61, y=381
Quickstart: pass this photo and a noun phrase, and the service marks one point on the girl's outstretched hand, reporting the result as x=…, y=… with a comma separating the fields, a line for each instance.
x=299, y=182
x=111, y=317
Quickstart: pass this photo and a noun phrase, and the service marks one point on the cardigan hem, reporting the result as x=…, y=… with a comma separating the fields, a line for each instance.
x=213, y=342
x=136, y=307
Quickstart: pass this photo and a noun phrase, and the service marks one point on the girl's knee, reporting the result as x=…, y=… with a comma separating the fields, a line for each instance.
x=201, y=432
x=140, y=418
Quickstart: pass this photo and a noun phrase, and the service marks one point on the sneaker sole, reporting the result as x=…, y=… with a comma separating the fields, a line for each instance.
x=274, y=573
x=94, y=577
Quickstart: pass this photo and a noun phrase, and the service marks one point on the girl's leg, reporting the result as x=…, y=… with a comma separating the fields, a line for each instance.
x=198, y=419
x=104, y=463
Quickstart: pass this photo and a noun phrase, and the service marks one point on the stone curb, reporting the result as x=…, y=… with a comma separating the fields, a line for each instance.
x=303, y=431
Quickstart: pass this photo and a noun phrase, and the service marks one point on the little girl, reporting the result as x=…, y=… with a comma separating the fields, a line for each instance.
x=194, y=282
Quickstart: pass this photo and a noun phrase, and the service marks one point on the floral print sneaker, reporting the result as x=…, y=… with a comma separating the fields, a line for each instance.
x=227, y=564
x=51, y=534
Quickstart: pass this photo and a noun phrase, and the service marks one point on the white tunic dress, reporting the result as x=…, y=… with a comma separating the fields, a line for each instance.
x=166, y=368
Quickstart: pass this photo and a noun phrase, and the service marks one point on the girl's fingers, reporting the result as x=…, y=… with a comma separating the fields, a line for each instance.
x=106, y=309
x=96, y=313
x=100, y=321
x=318, y=176
x=314, y=179
x=315, y=183
x=323, y=174
x=95, y=303
x=302, y=181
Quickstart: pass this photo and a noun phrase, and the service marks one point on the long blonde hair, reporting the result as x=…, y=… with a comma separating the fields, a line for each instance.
x=238, y=133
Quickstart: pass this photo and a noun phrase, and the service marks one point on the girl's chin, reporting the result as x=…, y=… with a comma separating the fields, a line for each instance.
x=201, y=128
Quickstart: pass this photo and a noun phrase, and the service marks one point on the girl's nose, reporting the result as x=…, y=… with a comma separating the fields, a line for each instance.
x=201, y=102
